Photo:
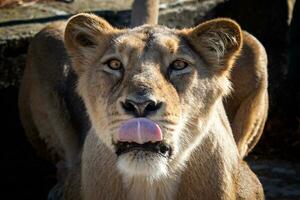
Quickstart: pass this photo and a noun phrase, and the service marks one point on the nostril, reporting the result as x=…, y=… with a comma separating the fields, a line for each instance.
x=141, y=108
x=152, y=106
x=128, y=106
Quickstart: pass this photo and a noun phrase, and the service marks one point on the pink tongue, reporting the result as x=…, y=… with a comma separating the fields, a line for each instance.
x=139, y=130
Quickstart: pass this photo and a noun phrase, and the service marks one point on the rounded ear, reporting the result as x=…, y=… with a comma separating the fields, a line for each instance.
x=83, y=34
x=217, y=41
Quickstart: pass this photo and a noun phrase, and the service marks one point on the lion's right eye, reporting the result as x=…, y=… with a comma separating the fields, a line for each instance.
x=114, y=64
x=114, y=67
x=178, y=65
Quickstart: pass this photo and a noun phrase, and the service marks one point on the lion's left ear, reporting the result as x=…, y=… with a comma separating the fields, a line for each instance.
x=218, y=41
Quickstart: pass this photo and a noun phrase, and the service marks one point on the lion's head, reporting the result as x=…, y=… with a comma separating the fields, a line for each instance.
x=150, y=91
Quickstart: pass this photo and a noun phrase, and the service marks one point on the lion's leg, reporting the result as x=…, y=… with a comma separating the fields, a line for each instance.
x=254, y=140
x=53, y=123
x=43, y=111
x=70, y=188
x=247, y=106
x=26, y=114
x=250, y=186
x=249, y=121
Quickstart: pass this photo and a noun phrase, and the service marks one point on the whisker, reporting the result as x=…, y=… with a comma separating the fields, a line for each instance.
x=113, y=113
x=167, y=121
x=116, y=121
x=167, y=128
x=169, y=114
x=112, y=129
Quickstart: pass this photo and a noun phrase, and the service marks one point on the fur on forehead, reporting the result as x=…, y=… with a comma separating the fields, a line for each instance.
x=152, y=30
x=149, y=35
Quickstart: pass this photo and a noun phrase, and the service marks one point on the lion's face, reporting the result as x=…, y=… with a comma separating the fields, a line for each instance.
x=149, y=91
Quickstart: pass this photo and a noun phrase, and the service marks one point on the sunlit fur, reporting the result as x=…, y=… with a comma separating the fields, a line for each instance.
x=192, y=117
x=205, y=162
x=138, y=164
x=146, y=52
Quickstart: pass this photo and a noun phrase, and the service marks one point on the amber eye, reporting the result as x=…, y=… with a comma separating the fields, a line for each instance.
x=178, y=65
x=114, y=64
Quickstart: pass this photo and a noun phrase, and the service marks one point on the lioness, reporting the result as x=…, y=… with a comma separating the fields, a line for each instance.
x=150, y=115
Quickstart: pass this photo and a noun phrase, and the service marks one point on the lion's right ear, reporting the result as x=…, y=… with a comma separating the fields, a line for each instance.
x=83, y=34
x=218, y=41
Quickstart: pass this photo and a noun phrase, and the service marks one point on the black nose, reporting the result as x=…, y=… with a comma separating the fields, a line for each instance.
x=140, y=106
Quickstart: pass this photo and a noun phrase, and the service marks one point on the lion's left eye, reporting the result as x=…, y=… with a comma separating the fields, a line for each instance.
x=114, y=64
x=178, y=65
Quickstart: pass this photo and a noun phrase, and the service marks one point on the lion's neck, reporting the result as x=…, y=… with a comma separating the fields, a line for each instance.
x=142, y=188
x=214, y=160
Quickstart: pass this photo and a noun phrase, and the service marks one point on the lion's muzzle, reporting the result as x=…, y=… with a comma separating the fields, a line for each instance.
x=141, y=134
x=139, y=130
x=140, y=105
x=160, y=148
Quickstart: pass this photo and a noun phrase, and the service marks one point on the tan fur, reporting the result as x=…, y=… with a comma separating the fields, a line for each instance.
x=206, y=163
x=247, y=105
x=42, y=111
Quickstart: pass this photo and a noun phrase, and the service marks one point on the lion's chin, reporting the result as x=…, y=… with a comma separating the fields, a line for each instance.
x=143, y=164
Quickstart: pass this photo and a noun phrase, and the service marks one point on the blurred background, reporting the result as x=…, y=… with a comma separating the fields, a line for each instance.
x=275, y=23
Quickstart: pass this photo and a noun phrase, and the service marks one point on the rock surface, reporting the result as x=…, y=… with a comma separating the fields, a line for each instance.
x=280, y=178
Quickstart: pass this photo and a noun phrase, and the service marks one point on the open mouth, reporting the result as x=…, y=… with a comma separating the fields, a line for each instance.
x=159, y=148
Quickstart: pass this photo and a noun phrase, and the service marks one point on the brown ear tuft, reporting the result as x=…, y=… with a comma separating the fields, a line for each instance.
x=218, y=41
x=85, y=32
